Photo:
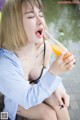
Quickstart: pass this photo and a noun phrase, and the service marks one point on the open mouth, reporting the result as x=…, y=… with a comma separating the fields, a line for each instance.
x=39, y=33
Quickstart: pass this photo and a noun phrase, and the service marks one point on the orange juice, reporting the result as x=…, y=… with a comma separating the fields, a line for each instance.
x=68, y=54
x=57, y=49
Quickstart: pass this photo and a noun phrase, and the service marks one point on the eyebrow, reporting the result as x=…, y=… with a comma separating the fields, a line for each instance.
x=29, y=12
x=32, y=11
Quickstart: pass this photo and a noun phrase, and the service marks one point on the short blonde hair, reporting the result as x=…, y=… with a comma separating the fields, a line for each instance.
x=12, y=34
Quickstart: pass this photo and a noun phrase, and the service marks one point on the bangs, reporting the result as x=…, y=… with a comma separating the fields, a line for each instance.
x=33, y=3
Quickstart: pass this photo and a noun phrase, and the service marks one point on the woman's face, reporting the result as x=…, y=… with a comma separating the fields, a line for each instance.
x=34, y=23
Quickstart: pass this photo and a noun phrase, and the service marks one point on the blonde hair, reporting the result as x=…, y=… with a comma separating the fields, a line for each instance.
x=12, y=34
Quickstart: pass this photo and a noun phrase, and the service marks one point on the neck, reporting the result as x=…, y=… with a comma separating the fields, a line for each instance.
x=30, y=48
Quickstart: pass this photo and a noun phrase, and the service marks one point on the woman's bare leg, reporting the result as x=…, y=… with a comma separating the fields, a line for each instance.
x=62, y=114
x=39, y=112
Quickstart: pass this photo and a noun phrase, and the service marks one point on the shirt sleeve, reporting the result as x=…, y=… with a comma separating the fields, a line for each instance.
x=61, y=83
x=14, y=86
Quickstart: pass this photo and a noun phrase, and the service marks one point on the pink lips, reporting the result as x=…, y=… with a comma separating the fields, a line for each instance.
x=39, y=33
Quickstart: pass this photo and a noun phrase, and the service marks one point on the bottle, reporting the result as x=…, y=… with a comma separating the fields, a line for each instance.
x=56, y=46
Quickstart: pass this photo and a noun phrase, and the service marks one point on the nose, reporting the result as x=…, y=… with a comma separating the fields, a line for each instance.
x=38, y=21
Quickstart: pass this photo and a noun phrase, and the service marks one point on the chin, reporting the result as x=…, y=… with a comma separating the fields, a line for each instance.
x=39, y=41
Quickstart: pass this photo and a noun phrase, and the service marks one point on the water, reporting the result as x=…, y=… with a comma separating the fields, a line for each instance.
x=64, y=25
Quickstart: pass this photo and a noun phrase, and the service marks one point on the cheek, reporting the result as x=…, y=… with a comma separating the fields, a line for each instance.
x=28, y=26
x=43, y=21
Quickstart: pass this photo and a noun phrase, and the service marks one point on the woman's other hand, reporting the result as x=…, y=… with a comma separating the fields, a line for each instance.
x=58, y=99
x=62, y=97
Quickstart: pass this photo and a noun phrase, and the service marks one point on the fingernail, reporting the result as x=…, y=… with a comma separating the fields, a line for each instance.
x=74, y=63
x=61, y=106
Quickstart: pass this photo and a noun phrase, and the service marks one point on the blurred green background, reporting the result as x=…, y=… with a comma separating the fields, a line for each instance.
x=63, y=21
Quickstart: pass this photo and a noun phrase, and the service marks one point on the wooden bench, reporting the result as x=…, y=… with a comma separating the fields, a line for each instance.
x=1, y=102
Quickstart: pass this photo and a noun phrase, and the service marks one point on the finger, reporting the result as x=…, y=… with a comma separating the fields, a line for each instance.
x=74, y=63
x=67, y=55
x=69, y=65
x=60, y=58
x=66, y=100
x=69, y=59
x=70, y=68
x=62, y=54
x=60, y=102
x=71, y=62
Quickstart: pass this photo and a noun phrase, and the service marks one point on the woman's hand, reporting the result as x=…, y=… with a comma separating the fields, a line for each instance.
x=59, y=65
x=58, y=99
x=62, y=97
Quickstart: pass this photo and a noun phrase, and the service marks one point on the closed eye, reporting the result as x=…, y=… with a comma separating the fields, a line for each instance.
x=30, y=17
x=30, y=14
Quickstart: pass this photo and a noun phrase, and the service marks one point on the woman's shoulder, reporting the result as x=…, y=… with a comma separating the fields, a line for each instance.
x=8, y=61
x=10, y=67
x=7, y=55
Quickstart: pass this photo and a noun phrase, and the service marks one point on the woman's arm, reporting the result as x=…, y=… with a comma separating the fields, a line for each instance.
x=48, y=54
x=14, y=86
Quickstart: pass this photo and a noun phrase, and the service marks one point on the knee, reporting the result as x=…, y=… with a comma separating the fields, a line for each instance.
x=49, y=114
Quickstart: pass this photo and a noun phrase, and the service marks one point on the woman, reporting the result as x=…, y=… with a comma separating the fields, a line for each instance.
x=24, y=59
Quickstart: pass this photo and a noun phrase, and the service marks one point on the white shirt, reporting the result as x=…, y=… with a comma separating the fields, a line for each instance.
x=17, y=90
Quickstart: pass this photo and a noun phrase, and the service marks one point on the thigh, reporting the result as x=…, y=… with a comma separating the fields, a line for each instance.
x=52, y=101
x=38, y=112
